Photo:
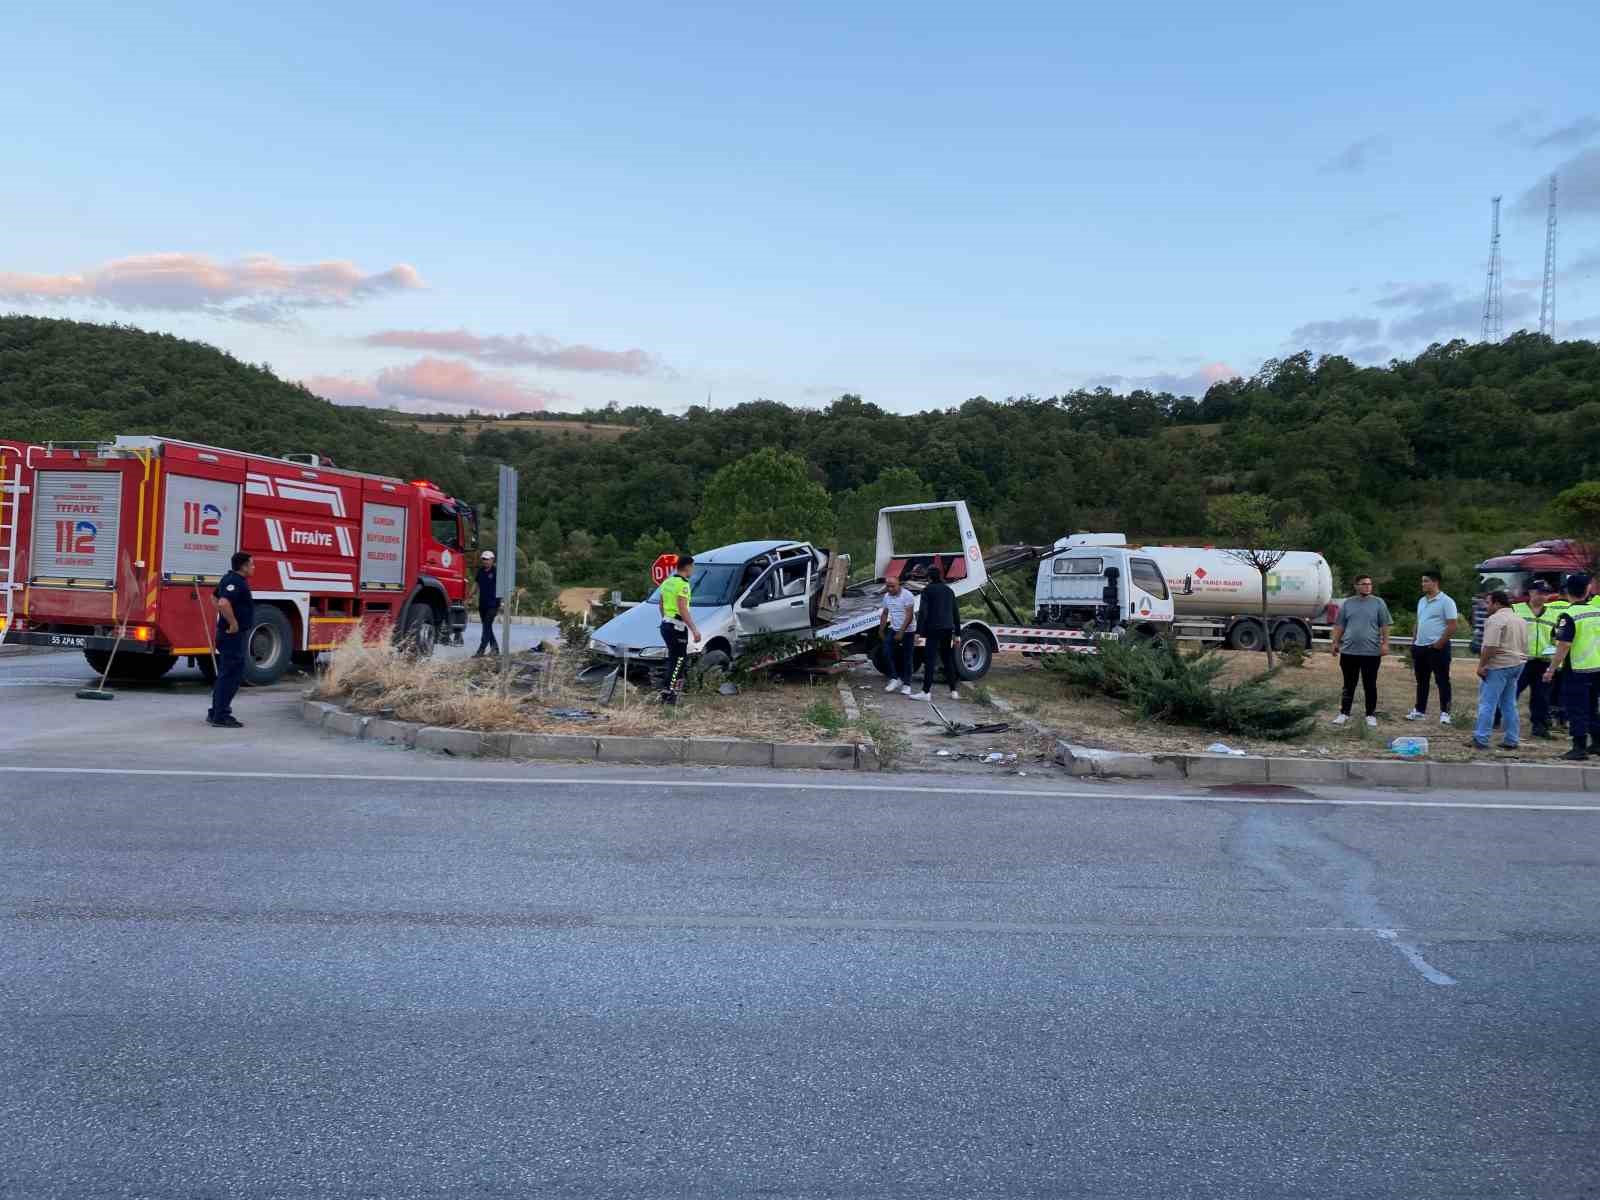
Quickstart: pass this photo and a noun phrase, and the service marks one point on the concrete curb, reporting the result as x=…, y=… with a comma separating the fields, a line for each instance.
x=867, y=758
x=1083, y=761
x=605, y=748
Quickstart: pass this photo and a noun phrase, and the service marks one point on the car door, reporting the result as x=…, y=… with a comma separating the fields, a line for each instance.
x=779, y=601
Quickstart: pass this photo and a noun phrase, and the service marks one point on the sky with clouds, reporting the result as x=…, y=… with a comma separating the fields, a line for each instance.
x=515, y=207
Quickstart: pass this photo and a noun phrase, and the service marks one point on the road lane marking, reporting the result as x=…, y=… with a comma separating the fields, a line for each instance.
x=659, y=783
x=1414, y=956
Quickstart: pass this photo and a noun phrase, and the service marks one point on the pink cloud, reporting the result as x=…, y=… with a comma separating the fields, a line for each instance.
x=256, y=287
x=1216, y=372
x=432, y=383
x=521, y=350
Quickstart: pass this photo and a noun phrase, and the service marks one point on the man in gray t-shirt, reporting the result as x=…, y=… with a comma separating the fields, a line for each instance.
x=1360, y=640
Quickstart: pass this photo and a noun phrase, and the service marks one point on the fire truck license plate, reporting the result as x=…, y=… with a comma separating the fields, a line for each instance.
x=67, y=639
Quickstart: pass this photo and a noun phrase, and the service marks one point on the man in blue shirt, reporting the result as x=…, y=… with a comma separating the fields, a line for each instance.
x=236, y=617
x=1430, y=652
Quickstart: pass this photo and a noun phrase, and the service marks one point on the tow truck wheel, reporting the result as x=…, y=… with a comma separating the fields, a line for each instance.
x=880, y=658
x=421, y=632
x=269, y=648
x=974, y=654
x=137, y=668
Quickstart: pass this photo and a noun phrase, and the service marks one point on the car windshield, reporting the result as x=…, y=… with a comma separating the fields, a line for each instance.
x=1515, y=582
x=712, y=584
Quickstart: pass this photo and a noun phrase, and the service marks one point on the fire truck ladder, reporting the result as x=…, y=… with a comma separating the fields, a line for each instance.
x=11, y=491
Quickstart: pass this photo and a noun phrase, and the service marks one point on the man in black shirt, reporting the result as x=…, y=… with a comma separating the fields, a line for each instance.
x=488, y=605
x=236, y=616
x=938, y=618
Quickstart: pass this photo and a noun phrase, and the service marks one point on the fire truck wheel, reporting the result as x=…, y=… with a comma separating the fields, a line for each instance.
x=207, y=666
x=137, y=668
x=421, y=633
x=270, y=647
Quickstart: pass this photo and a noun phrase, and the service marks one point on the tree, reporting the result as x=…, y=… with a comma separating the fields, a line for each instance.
x=767, y=494
x=1248, y=521
x=1578, y=511
x=549, y=538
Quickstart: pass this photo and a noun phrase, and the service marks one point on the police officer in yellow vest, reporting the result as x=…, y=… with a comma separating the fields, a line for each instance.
x=1555, y=607
x=1540, y=617
x=1577, y=643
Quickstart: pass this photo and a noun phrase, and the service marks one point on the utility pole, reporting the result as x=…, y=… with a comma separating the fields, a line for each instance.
x=1547, y=301
x=1493, y=308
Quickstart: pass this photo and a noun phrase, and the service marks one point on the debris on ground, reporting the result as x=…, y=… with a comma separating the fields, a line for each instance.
x=1224, y=748
x=961, y=728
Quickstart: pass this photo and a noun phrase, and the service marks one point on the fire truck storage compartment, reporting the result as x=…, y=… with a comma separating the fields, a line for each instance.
x=383, y=547
x=76, y=521
x=200, y=531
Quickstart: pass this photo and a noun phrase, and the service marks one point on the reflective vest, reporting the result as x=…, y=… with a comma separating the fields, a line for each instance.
x=1585, y=652
x=1541, y=629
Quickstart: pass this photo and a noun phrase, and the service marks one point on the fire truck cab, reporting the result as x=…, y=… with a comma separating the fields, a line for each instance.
x=115, y=548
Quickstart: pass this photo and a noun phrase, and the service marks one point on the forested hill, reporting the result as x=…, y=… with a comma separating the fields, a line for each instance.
x=75, y=381
x=1447, y=456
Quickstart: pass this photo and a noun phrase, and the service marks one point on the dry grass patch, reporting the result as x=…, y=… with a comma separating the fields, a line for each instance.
x=1099, y=722
x=470, y=694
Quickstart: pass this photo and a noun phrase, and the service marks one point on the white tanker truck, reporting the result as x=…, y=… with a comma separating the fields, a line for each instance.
x=1215, y=597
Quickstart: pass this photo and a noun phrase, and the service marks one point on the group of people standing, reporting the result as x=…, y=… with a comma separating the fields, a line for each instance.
x=901, y=619
x=1547, y=645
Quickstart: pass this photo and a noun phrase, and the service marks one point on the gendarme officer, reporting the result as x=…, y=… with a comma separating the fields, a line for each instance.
x=236, y=615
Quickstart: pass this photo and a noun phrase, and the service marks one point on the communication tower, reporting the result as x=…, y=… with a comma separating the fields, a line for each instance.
x=1547, y=301
x=1493, y=307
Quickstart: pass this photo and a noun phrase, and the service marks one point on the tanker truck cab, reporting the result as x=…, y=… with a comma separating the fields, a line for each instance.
x=1093, y=584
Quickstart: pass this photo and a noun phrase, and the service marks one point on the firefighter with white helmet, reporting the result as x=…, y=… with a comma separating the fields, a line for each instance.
x=488, y=604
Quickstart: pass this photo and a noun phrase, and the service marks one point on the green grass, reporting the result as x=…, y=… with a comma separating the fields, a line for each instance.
x=824, y=714
x=890, y=742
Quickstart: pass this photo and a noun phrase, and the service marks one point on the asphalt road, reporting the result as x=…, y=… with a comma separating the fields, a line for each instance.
x=351, y=970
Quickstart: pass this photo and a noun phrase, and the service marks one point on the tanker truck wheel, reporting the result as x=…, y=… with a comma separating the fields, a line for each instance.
x=1247, y=634
x=1290, y=635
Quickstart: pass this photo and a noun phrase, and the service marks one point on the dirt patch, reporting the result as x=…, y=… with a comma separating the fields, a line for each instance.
x=544, y=695
x=922, y=735
x=1102, y=723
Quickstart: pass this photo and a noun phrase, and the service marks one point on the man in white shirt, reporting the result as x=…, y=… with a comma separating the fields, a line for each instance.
x=897, y=625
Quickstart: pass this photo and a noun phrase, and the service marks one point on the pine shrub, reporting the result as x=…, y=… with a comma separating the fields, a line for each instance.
x=1160, y=684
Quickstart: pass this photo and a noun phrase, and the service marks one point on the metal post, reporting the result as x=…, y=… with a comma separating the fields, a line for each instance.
x=505, y=517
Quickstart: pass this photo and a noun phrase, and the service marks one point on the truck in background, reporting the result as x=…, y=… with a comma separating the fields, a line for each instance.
x=1549, y=562
x=1217, y=598
x=116, y=547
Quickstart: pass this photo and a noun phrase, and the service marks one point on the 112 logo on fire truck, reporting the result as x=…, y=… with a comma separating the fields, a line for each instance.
x=202, y=520
x=75, y=538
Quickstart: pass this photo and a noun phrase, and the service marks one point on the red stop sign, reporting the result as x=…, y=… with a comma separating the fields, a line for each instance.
x=662, y=567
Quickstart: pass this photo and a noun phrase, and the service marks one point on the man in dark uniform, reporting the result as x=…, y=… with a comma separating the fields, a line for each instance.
x=1577, y=642
x=236, y=615
x=488, y=605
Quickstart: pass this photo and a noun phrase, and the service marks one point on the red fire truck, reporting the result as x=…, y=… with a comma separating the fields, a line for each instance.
x=119, y=546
